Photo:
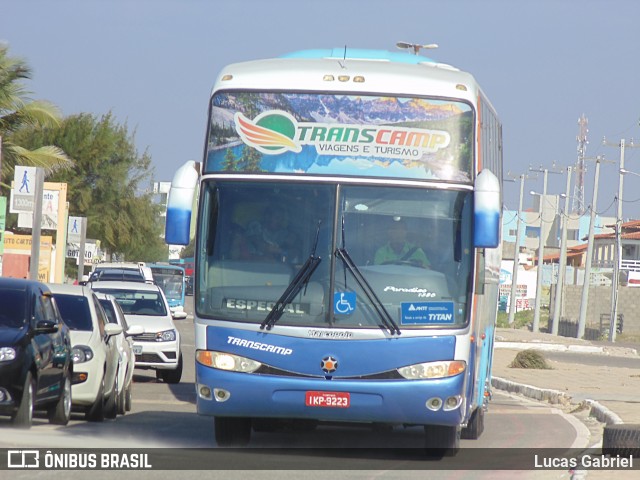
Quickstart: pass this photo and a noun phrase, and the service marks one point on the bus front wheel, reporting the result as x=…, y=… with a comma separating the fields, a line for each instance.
x=475, y=427
x=232, y=431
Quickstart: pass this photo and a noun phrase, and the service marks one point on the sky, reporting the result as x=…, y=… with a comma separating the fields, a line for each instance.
x=542, y=63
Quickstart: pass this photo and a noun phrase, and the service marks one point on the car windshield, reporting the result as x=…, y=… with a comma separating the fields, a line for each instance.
x=138, y=302
x=75, y=311
x=120, y=274
x=109, y=310
x=12, y=314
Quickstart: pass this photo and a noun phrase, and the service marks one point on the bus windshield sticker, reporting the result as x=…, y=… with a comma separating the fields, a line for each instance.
x=264, y=306
x=427, y=313
x=399, y=137
x=421, y=292
x=344, y=303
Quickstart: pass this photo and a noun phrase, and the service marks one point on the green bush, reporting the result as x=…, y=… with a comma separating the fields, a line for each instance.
x=530, y=359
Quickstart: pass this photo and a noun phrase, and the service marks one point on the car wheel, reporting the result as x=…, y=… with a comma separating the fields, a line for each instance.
x=122, y=401
x=173, y=376
x=111, y=405
x=60, y=412
x=128, y=399
x=23, y=418
x=95, y=413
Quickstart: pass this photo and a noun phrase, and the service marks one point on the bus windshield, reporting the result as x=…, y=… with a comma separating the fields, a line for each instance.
x=369, y=260
x=171, y=280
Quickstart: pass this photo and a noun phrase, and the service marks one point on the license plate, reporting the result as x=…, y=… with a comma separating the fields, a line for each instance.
x=328, y=399
x=137, y=349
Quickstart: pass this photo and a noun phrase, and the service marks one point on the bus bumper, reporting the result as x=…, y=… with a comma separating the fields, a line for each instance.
x=232, y=394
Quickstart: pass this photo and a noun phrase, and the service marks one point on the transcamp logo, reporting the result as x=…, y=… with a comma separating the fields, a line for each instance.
x=265, y=347
x=275, y=131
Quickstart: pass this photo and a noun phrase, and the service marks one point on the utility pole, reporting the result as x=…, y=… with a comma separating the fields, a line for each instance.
x=563, y=258
x=615, y=279
x=584, y=301
x=514, y=275
x=536, y=311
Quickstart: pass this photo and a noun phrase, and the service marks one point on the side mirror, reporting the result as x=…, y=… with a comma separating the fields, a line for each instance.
x=45, y=326
x=111, y=329
x=179, y=315
x=487, y=210
x=180, y=204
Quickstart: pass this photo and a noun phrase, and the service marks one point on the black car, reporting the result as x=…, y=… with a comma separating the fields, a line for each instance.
x=35, y=354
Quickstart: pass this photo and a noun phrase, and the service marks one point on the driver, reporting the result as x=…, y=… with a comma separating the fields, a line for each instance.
x=398, y=249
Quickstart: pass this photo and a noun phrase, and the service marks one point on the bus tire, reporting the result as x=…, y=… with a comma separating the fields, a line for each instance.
x=232, y=431
x=621, y=439
x=441, y=440
x=475, y=427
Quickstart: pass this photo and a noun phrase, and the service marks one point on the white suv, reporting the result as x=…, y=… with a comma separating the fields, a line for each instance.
x=93, y=349
x=158, y=347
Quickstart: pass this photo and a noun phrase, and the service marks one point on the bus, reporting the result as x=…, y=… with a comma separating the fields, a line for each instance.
x=171, y=279
x=310, y=159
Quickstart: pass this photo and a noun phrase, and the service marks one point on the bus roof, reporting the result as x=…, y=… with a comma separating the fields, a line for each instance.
x=360, y=54
x=362, y=71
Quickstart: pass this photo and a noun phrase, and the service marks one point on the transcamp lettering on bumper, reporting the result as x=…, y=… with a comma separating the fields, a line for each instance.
x=241, y=342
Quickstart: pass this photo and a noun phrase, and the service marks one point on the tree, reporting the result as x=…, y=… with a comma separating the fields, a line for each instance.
x=17, y=112
x=106, y=184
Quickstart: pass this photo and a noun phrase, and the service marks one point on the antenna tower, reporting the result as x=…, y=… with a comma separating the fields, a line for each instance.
x=578, y=190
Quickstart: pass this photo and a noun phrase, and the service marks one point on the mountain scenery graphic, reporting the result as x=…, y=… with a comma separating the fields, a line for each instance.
x=242, y=135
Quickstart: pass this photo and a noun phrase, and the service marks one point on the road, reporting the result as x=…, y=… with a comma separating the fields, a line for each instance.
x=164, y=415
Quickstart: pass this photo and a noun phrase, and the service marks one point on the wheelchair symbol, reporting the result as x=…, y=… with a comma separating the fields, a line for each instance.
x=344, y=302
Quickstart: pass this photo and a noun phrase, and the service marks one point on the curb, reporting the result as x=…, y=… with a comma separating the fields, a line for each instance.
x=597, y=410
x=550, y=347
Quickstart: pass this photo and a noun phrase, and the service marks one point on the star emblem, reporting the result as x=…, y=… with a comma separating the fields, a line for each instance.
x=329, y=364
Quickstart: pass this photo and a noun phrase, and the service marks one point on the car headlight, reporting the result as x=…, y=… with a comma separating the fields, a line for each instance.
x=81, y=354
x=227, y=361
x=166, y=336
x=429, y=370
x=7, y=354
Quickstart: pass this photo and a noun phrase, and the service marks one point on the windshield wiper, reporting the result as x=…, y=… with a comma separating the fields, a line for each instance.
x=378, y=306
x=293, y=289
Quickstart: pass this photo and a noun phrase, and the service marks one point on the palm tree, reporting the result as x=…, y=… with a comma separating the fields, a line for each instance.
x=17, y=112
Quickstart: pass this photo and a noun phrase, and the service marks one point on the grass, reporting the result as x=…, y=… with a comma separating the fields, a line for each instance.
x=522, y=319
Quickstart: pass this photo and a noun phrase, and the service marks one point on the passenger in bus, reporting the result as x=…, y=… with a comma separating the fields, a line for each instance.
x=272, y=239
x=398, y=249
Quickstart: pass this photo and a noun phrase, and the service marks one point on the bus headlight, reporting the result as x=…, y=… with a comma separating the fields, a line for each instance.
x=429, y=370
x=227, y=361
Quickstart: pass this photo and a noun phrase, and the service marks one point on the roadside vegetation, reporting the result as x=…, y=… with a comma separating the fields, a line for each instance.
x=108, y=180
x=530, y=359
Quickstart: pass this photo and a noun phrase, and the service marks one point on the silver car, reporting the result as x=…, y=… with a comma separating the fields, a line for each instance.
x=144, y=304
x=124, y=381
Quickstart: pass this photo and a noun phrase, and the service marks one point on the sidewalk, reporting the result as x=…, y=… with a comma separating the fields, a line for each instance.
x=611, y=393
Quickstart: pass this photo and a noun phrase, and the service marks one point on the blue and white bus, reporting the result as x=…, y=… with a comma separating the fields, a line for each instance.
x=306, y=325
x=171, y=279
